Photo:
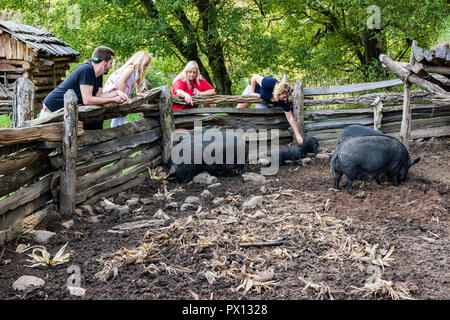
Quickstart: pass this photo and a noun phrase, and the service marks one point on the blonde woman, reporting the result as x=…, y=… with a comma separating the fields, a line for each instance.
x=190, y=83
x=272, y=91
x=128, y=76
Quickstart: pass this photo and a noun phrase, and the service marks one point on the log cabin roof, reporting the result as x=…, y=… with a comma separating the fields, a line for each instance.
x=45, y=43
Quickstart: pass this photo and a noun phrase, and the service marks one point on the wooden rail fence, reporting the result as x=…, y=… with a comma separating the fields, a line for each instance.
x=52, y=161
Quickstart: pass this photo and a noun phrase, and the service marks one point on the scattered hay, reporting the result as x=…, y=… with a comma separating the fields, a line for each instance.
x=381, y=288
x=112, y=262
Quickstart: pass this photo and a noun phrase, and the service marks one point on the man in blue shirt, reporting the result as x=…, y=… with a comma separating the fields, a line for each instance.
x=87, y=83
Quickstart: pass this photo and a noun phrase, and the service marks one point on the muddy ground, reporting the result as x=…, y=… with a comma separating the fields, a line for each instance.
x=309, y=241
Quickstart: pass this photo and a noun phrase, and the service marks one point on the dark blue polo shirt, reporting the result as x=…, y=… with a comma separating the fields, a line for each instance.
x=266, y=91
x=83, y=74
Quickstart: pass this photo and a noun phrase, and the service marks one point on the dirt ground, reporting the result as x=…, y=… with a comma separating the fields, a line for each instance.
x=307, y=240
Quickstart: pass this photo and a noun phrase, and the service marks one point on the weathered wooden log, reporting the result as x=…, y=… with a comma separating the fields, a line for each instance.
x=131, y=181
x=21, y=159
x=298, y=108
x=23, y=103
x=25, y=195
x=377, y=114
x=45, y=132
x=69, y=155
x=92, y=152
x=235, y=111
x=417, y=124
x=405, y=131
x=426, y=133
x=24, y=226
x=145, y=156
x=25, y=209
x=89, y=113
x=129, y=128
x=20, y=178
x=437, y=69
x=216, y=99
x=369, y=98
x=405, y=75
x=97, y=163
x=232, y=119
x=167, y=122
x=357, y=87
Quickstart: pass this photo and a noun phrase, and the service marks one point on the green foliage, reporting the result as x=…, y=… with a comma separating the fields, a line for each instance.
x=324, y=42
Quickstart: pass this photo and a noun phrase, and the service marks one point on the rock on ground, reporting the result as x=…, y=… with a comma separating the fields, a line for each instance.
x=42, y=236
x=253, y=202
x=204, y=178
x=25, y=283
x=252, y=177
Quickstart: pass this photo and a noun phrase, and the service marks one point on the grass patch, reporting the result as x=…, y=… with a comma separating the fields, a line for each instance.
x=5, y=121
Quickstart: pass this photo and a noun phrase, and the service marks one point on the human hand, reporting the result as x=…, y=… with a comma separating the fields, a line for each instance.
x=188, y=99
x=123, y=96
x=299, y=140
x=196, y=92
x=140, y=94
x=119, y=99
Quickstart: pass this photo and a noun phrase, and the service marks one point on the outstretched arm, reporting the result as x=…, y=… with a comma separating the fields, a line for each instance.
x=291, y=120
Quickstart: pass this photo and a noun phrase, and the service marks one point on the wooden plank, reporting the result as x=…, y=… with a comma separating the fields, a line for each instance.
x=426, y=133
x=145, y=156
x=243, y=111
x=218, y=99
x=129, y=128
x=2, y=46
x=20, y=178
x=298, y=108
x=24, y=226
x=89, y=113
x=22, y=159
x=405, y=131
x=24, y=210
x=92, y=152
x=45, y=132
x=25, y=195
x=112, y=187
x=114, y=177
x=97, y=163
x=369, y=98
x=8, y=49
x=167, y=122
x=69, y=155
x=418, y=124
x=352, y=87
x=20, y=50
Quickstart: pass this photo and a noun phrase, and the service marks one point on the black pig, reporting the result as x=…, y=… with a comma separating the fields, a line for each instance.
x=362, y=158
x=357, y=130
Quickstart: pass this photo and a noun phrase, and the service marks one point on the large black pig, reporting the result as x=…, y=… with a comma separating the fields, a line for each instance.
x=362, y=158
x=234, y=154
x=357, y=130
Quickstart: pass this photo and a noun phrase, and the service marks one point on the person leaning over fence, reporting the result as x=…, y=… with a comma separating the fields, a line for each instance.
x=272, y=91
x=128, y=76
x=190, y=83
x=87, y=82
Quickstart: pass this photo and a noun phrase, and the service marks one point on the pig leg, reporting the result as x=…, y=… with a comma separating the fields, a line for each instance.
x=349, y=185
x=337, y=179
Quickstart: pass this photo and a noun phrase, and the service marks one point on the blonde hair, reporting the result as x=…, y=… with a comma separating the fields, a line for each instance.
x=282, y=87
x=138, y=61
x=183, y=74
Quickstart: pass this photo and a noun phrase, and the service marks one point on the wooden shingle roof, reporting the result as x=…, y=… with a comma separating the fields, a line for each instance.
x=45, y=43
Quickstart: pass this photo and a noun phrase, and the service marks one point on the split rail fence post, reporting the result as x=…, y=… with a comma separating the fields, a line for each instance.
x=377, y=113
x=298, y=106
x=69, y=155
x=167, y=122
x=405, y=130
x=23, y=102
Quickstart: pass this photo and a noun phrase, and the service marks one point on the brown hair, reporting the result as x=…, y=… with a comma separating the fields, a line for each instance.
x=102, y=53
